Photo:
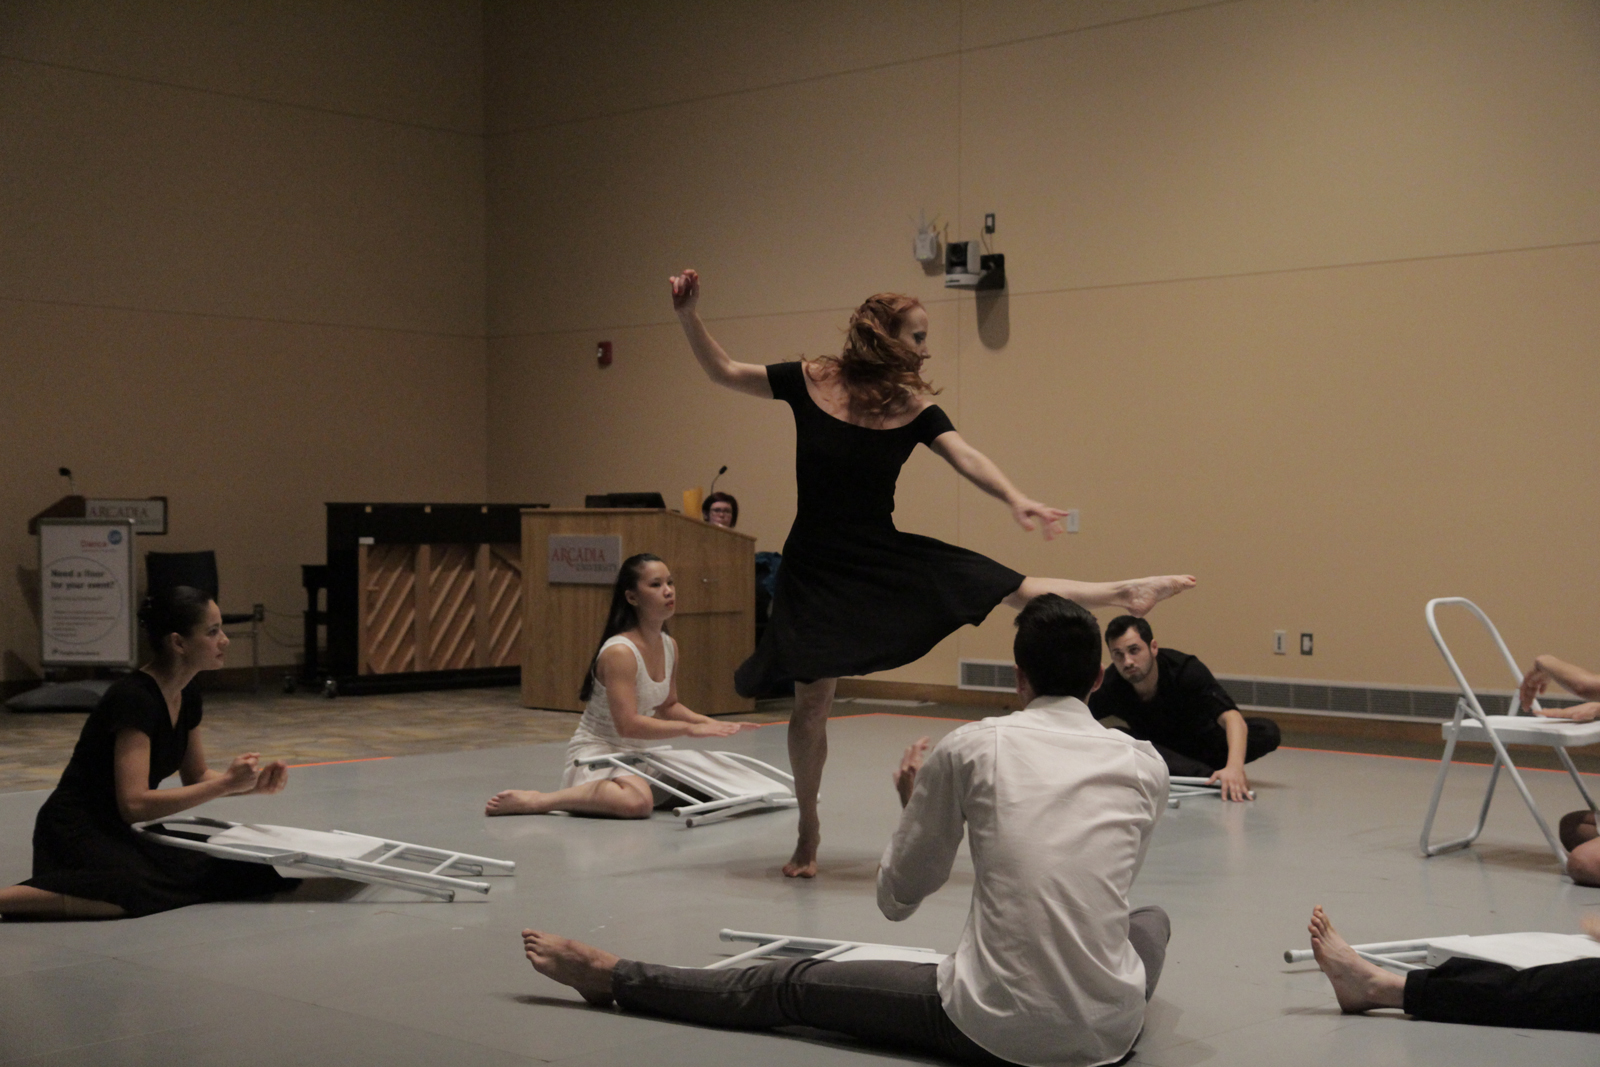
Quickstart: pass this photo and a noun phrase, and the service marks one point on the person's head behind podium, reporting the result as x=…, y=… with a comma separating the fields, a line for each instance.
x=720, y=509
x=642, y=579
x=1057, y=649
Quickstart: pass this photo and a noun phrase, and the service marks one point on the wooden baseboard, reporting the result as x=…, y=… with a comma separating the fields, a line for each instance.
x=1289, y=721
x=1349, y=726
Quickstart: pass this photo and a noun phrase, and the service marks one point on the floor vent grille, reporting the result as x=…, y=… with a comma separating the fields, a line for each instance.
x=989, y=675
x=1429, y=703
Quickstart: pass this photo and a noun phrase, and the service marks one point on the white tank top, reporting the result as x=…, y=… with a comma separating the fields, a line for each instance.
x=597, y=726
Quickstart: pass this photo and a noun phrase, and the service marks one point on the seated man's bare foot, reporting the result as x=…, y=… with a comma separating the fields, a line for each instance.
x=1140, y=595
x=1358, y=985
x=803, y=864
x=516, y=802
x=583, y=967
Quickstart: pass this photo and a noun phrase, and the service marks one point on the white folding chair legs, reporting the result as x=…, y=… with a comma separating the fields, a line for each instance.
x=1182, y=787
x=1471, y=721
x=729, y=783
x=820, y=948
x=337, y=853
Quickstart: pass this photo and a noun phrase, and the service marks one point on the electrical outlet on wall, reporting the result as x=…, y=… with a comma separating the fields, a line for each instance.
x=1305, y=644
x=1280, y=642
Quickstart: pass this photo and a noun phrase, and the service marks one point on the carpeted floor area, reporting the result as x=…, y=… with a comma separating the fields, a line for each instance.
x=306, y=728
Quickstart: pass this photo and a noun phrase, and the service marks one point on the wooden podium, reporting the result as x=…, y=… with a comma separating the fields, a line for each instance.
x=715, y=625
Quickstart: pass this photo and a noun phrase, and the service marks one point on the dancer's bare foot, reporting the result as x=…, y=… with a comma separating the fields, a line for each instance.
x=803, y=864
x=1591, y=926
x=583, y=967
x=1140, y=595
x=517, y=802
x=1358, y=985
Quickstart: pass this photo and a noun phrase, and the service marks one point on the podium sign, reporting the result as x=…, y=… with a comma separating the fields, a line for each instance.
x=86, y=593
x=584, y=559
x=149, y=515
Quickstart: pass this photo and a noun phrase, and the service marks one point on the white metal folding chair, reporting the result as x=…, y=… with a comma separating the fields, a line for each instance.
x=822, y=948
x=330, y=853
x=727, y=783
x=1471, y=723
x=1521, y=950
x=1182, y=787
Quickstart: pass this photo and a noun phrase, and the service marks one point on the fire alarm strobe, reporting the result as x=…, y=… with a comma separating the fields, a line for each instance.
x=967, y=267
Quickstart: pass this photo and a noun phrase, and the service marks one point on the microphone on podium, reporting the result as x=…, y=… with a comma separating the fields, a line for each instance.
x=720, y=473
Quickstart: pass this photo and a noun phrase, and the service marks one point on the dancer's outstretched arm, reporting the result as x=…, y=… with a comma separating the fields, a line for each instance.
x=616, y=672
x=137, y=802
x=981, y=471
x=743, y=377
x=674, y=709
x=1547, y=669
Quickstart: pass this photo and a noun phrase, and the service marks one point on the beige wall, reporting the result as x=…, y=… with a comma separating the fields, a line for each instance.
x=243, y=267
x=1303, y=296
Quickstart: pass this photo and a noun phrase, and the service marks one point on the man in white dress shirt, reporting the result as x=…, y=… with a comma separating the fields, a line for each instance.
x=1052, y=970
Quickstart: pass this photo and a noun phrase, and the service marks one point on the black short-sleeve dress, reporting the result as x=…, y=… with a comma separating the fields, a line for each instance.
x=81, y=846
x=855, y=595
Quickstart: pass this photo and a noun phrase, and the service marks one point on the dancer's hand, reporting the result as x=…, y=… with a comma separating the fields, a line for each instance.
x=1028, y=512
x=1533, y=684
x=271, y=778
x=1235, y=786
x=685, y=291
x=718, y=729
x=1576, y=713
x=240, y=777
x=905, y=775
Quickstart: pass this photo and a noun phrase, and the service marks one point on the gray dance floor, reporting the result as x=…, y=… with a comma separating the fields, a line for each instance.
x=392, y=981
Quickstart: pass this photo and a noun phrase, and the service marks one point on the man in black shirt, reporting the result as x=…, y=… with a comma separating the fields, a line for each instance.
x=1171, y=699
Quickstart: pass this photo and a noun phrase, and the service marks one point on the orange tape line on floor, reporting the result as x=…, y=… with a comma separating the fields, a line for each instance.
x=333, y=762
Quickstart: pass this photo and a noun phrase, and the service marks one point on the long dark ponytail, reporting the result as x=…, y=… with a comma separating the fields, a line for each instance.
x=622, y=615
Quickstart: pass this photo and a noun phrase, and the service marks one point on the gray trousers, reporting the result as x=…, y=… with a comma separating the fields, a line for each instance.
x=889, y=1003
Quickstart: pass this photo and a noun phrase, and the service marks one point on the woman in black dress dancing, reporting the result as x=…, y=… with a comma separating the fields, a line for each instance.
x=88, y=863
x=854, y=594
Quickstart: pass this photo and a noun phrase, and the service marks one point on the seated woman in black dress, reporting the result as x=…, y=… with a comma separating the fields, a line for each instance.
x=88, y=863
x=855, y=595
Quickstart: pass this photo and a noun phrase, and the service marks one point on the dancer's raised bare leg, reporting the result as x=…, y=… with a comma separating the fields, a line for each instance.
x=583, y=967
x=1136, y=596
x=24, y=901
x=808, y=751
x=627, y=797
x=1358, y=984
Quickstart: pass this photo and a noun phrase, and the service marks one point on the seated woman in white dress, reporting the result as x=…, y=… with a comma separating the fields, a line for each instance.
x=630, y=700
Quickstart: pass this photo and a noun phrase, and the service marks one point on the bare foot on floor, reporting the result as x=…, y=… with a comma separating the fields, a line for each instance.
x=1140, y=595
x=803, y=864
x=1357, y=984
x=583, y=967
x=516, y=802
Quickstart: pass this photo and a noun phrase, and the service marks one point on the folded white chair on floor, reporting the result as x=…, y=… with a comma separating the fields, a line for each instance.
x=1180, y=787
x=330, y=853
x=1471, y=723
x=821, y=948
x=1529, y=949
x=722, y=783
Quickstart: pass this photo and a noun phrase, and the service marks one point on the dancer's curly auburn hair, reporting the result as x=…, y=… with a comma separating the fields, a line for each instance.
x=876, y=368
